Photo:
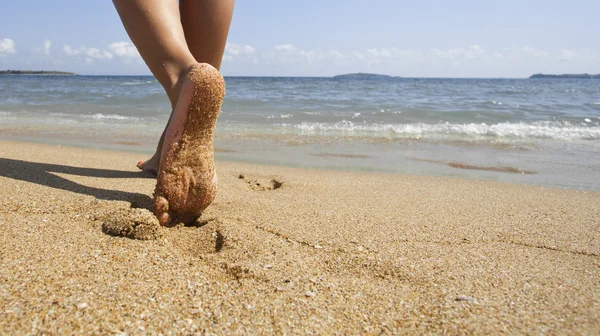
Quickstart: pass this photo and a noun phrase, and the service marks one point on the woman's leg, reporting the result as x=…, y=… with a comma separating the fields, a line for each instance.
x=155, y=28
x=206, y=25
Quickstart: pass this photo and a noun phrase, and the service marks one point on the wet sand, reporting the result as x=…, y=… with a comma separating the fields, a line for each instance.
x=285, y=250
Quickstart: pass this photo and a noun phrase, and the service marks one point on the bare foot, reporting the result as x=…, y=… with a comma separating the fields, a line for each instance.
x=187, y=183
x=150, y=165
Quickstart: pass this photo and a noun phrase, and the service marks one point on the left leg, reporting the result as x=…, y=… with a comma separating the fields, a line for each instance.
x=154, y=26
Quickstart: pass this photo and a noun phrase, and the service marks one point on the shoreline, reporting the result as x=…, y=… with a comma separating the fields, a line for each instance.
x=520, y=163
x=319, y=251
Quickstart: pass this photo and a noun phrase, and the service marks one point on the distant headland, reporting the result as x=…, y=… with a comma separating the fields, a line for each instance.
x=362, y=75
x=565, y=76
x=29, y=72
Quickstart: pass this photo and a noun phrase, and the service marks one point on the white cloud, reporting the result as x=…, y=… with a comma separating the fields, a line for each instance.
x=470, y=53
x=358, y=55
x=121, y=49
x=124, y=49
x=96, y=53
x=69, y=51
x=533, y=52
x=289, y=59
x=289, y=54
x=461, y=61
x=383, y=52
x=567, y=54
x=47, y=45
x=238, y=49
x=7, y=46
x=374, y=56
x=285, y=47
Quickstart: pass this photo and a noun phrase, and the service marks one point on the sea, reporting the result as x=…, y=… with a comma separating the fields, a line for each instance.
x=541, y=132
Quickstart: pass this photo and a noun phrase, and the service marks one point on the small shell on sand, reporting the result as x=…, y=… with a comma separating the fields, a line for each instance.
x=81, y=305
x=310, y=294
x=132, y=223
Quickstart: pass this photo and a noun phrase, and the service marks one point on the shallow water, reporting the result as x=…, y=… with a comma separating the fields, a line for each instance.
x=542, y=132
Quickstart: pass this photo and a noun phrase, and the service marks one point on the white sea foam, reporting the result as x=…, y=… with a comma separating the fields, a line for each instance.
x=100, y=116
x=540, y=129
x=136, y=83
x=97, y=116
x=280, y=116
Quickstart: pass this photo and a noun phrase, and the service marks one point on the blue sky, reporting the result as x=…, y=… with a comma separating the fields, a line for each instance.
x=462, y=38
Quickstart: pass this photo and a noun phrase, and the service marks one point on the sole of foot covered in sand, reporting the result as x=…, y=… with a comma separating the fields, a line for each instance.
x=187, y=182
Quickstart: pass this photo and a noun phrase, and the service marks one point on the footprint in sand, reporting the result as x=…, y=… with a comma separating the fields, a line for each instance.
x=260, y=183
x=132, y=223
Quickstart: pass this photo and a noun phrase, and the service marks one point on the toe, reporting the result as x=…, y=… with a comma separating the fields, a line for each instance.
x=161, y=209
x=164, y=219
x=147, y=166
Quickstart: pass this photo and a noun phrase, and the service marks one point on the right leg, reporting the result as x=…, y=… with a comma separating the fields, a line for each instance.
x=206, y=25
x=155, y=28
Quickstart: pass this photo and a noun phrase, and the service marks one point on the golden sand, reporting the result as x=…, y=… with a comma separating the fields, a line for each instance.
x=131, y=223
x=325, y=252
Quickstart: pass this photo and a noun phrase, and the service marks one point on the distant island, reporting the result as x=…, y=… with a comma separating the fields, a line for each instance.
x=565, y=76
x=29, y=72
x=361, y=75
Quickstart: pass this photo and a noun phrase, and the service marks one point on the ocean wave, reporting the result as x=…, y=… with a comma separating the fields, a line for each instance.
x=4, y=114
x=100, y=116
x=509, y=92
x=136, y=83
x=97, y=116
x=280, y=116
x=561, y=130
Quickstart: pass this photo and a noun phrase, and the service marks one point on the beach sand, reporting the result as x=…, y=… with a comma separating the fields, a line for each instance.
x=291, y=251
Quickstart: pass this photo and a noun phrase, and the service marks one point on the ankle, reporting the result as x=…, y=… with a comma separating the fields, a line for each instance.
x=175, y=79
